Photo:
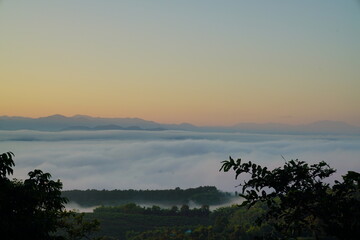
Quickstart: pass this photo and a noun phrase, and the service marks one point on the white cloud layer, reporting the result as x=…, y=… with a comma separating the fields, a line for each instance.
x=164, y=159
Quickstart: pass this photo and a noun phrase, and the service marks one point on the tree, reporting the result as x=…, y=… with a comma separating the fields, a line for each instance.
x=299, y=201
x=185, y=210
x=34, y=208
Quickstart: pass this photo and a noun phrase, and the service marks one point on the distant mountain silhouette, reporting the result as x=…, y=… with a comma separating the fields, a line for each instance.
x=86, y=123
x=110, y=127
x=77, y=122
x=316, y=127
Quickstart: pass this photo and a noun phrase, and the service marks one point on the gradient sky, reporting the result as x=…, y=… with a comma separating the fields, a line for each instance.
x=202, y=62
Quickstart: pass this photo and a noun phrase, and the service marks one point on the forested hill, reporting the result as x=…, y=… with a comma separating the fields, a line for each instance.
x=207, y=195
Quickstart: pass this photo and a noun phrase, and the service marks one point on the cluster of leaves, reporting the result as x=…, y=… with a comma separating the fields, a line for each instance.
x=299, y=201
x=35, y=209
x=72, y=225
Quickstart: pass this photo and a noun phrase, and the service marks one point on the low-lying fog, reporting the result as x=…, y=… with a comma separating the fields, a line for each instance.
x=77, y=207
x=164, y=159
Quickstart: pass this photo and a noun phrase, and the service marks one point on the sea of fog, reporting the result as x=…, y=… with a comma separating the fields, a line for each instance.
x=165, y=159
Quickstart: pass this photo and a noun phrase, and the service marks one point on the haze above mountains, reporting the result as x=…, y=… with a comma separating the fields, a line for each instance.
x=82, y=122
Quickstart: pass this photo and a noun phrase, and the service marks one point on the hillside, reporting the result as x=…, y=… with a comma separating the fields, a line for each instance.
x=87, y=123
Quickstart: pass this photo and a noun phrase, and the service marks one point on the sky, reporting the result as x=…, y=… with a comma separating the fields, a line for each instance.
x=202, y=62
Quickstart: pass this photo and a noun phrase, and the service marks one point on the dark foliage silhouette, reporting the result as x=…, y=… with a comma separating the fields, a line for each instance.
x=34, y=208
x=298, y=199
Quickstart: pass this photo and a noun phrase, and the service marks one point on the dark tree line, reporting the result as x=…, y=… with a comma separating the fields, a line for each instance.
x=132, y=208
x=206, y=195
x=227, y=223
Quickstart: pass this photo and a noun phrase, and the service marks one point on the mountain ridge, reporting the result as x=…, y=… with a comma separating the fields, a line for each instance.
x=60, y=122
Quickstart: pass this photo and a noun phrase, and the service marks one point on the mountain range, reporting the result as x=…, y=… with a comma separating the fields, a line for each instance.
x=82, y=122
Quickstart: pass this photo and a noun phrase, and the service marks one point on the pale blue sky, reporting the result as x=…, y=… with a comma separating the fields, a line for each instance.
x=203, y=62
